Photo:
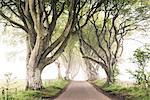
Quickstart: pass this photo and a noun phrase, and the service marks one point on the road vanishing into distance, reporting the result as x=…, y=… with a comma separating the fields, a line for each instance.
x=78, y=90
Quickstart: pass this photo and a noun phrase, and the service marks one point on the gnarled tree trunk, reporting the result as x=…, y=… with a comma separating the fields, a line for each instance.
x=34, y=64
x=59, y=70
x=110, y=76
x=38, y=57
x=34, y=78
x=92, y=71
x=38, y=18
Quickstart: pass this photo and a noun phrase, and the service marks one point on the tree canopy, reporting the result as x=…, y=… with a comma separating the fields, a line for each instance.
x=48, y=25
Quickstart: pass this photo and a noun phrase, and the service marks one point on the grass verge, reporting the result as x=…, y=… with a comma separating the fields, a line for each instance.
x=51, y=90
x=129, y=92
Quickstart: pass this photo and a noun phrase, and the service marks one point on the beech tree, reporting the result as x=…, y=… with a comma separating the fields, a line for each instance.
x=71, y=65
x=92, y=70
x=68, y=56
x=39, y=18
x=111, y=24
x=59, y=75
x=91, y=67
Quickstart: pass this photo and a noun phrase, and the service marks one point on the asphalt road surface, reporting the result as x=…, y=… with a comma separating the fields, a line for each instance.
x=81, y=91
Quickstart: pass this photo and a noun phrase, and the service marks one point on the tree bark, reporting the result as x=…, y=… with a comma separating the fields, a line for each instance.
x=59, y=70
x=110, y=76
x=92, y=72
x=34, y=78
x=39, y=20
x=34, y=65
x=68, y=69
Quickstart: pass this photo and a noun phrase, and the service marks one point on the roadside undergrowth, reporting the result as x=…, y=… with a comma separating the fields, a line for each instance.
x=129, y=92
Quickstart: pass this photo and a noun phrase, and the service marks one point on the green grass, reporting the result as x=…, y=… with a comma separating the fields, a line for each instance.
x=51, y=89
x=131, y=92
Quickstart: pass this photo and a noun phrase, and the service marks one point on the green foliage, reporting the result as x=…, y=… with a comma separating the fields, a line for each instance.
x=99, y=82
x=72, y=48
x=73, y=41
x=50, y=89
x=142, y=56
x=141, y=75
x=115, y=72
x=60, y=25
x=130, y=92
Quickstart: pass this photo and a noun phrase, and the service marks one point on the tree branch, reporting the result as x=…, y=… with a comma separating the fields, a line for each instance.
x=13, y=22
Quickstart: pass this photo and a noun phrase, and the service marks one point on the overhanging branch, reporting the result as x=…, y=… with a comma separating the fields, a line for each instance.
x=13, y=22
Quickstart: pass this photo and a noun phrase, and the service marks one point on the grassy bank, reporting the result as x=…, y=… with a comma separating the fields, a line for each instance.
x=50, y=90
x=130, y=92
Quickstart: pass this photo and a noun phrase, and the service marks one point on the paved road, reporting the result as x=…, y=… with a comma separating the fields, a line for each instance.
x=81, y=91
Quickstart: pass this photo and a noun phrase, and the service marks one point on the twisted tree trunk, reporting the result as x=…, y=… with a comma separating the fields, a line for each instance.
x=38, y=18
x=35, y=64
x=92, y=71
x=34, y=78
x=110, y=76
x=59, y=70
